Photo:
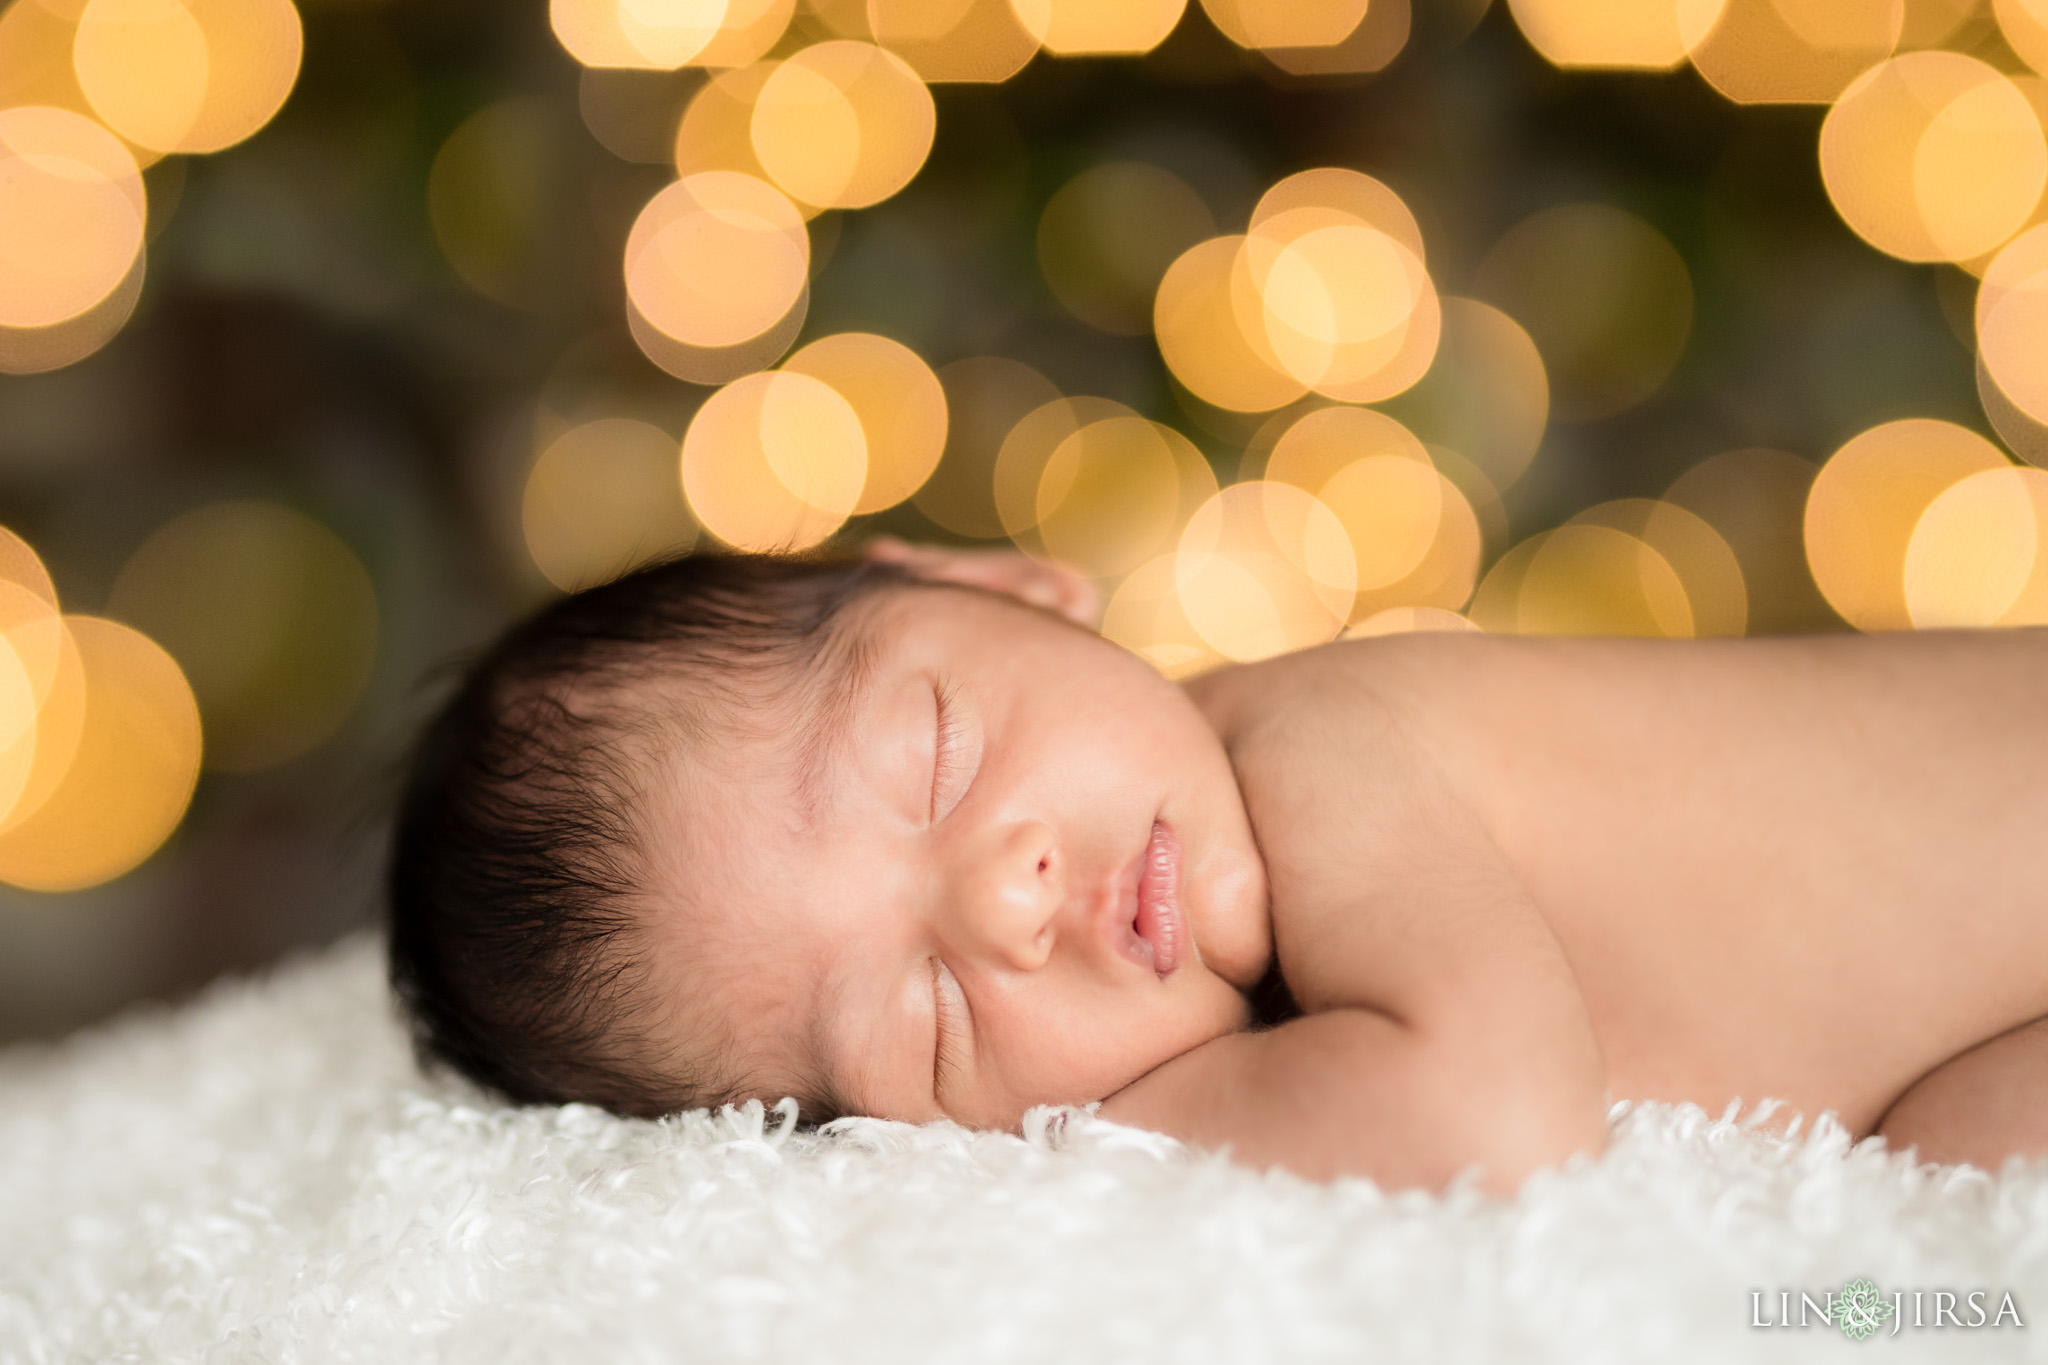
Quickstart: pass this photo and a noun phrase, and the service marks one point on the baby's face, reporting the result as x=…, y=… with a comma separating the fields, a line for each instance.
x=1010, y=866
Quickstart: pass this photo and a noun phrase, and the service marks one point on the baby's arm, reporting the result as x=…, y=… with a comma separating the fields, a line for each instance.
x=1444, y=1025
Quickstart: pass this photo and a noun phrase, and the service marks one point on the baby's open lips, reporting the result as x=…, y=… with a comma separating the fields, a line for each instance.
x=1155, y=929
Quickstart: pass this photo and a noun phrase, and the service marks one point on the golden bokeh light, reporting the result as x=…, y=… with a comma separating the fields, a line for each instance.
x=1302, y=23
x=591, y=32
x=749, y=32
x=33, y=350
x=1607, y=300
x=33, y=632
x=986, y=397
x=979, y=41
x=1264, y=568
x=1706, y=567
x=1594, y=580
x=2025, y=26
x=1376, y=41
x=1584, y=579
x=1352, y=194
x=713, y=365
x=1196, y=320
x=1115, y=492
x=28, y=616
x=1076, y=27
x=1107, y=237
x=1414, y=529
x=1487, y=505
x=900, y=403
x=1448, y=571
x=840, y=18
x=717, y=128
x=1145, y=616
x=271, y=616
x=601, y=500
x=1496, y=606
x=37, y=658
x=1027, y=448
x=1933, y=156
x=23, y=567
x=1934, y=23
x=17, y=722
x=1650, y=35
x=1795, y=51
x=2022, y=434
x=1330, y=280
x=1372, y=372
x=75, y=216
x=187, y=75
x=1975, y=557
x=36, y=68
x=1376, y=477
x=489, y=200
x=1487, y=395
x=1412, y=621
x=843, y=124
x=1866, y=502
x=1310, y=449
x=916, y=20
x=143, y=67
x=1347, y=308
x=59, y=714
x=2035, y=90
x=2012, y=323
x=653, y=35
x=717, y=260
x=130, y=777
x=774, y=462
x=1391, y=508
x=1755, y=500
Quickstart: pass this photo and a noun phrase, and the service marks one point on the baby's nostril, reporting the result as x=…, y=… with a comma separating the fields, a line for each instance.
x=1044, y=864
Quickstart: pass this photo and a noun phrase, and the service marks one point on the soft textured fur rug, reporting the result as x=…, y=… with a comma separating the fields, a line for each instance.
x=263, y=1176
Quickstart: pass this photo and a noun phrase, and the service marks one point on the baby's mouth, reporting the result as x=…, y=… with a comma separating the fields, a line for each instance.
x=1158, y=923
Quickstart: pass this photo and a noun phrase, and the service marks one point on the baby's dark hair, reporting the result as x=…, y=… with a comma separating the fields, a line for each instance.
x=517, y=855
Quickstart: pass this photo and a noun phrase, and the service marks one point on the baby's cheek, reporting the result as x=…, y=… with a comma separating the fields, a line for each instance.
x=1087, y=1050
x=1197, y=1009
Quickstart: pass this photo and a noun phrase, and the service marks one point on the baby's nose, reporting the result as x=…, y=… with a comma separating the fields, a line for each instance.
x=1009, y=895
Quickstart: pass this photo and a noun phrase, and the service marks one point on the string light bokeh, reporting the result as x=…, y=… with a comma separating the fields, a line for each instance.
x=338, y=336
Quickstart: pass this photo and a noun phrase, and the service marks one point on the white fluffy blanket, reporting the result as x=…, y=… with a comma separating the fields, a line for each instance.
x=263, y=1176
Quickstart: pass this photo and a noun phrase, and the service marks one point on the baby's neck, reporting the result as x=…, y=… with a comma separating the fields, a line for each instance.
x=1272, y=1003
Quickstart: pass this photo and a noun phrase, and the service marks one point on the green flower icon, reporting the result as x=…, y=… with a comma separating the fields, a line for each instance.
x=1860, y=1309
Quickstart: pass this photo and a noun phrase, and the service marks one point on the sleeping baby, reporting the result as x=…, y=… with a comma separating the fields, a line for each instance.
x=901, y=836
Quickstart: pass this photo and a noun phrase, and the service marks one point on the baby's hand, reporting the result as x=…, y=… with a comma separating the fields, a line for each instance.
x=1005, y=571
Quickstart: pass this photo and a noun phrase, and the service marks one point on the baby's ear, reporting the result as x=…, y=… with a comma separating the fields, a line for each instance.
x=1006, y=571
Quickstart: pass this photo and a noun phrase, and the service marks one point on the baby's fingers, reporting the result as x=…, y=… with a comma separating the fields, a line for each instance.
x=1006, y=571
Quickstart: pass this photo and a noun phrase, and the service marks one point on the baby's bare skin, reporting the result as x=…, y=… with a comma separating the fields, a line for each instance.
x=1513, y=878
x=1508, y=881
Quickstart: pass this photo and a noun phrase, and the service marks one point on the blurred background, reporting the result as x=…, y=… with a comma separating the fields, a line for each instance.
x=336, y=337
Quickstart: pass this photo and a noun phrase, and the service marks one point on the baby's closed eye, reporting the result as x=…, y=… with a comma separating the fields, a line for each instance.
x=954, y=754
x=949, y=1027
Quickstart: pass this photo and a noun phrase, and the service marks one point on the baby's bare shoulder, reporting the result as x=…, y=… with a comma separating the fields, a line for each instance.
x=1383, y=878
x=1344, y=728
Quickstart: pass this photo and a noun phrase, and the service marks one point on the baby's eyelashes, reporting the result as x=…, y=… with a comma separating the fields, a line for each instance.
x=954, y=754
x=945, y=748
x=949, y=1019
